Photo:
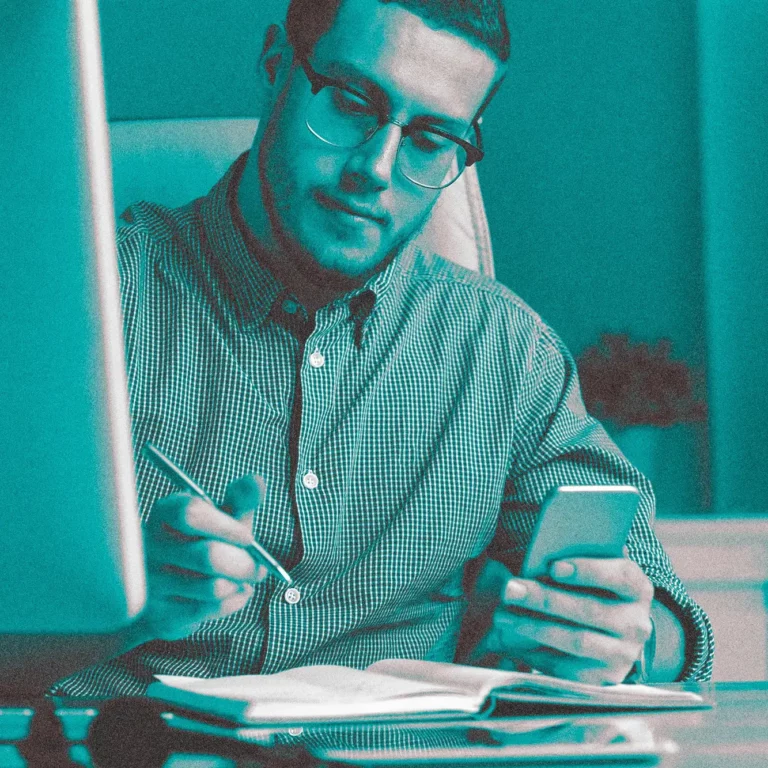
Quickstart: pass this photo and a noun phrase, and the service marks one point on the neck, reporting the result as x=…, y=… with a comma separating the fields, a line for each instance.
x=312, y=285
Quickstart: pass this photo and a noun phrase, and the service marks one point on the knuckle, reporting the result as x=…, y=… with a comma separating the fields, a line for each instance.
x=616, y=674
x=543, y=599
x=648, y=590
x=581, y=644
x=622, y=653
x=590, y=613
x=629, y=657
x=644, y=631
x=198, y=557
x=590, y=645
x=625, y=626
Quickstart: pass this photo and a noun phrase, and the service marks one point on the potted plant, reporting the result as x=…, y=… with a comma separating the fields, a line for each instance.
x=647, y=401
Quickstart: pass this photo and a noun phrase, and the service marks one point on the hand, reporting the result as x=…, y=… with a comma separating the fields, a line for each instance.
x=589, y=623
x=197, y=566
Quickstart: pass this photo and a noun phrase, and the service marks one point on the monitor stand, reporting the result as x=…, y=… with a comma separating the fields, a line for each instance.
x=29, y=666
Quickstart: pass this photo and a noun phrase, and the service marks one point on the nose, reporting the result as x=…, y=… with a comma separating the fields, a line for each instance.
x=375, y=160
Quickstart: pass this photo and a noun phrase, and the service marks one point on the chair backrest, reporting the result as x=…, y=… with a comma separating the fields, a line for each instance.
x=174, y=161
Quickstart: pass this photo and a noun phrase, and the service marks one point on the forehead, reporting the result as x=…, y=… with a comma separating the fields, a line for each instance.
x=419, y=66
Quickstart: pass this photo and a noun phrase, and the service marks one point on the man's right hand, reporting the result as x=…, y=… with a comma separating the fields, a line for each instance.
x=198, y=567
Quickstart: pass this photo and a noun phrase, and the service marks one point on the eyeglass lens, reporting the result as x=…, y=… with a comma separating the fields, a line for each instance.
x=340, y=118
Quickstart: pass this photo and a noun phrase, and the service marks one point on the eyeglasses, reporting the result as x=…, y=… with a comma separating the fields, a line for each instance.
x=343, y=117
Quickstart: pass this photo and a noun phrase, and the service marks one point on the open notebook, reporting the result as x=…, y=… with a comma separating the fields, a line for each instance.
x=392, y=688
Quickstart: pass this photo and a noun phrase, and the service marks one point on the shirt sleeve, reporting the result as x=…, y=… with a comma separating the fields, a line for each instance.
x=558, y=443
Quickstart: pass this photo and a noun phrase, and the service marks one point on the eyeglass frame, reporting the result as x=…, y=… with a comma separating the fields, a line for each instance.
x=318, y=81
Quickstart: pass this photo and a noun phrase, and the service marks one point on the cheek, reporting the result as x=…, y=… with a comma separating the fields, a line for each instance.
x=411, y=209
x=297, y=166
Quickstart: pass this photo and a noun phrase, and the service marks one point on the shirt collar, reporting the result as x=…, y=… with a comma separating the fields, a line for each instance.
x=251, y=286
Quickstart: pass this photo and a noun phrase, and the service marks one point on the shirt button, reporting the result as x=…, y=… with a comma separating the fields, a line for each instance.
x=290, y=306
x=292, y=596
x=310, y=481
x=316, y=359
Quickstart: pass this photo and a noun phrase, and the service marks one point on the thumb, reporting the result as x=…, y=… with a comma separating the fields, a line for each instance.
x=244, y=496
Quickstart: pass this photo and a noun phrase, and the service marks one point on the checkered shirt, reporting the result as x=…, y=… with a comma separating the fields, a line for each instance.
x=416, y=426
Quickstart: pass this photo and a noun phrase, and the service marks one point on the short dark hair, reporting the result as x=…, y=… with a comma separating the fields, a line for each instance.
x=483, y=21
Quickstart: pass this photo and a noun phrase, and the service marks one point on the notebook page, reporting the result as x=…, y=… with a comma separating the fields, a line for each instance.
x=477, y=682
x=321, y=683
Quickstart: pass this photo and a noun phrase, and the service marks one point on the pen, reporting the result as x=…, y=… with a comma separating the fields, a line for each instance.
x=182, y=481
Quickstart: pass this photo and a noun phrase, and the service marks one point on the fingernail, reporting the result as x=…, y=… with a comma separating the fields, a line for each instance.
x=515, y=590
x=261, y=573
x=563, y=570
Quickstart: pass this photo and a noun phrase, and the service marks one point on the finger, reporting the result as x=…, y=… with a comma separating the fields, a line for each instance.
x=596, y=647
x=567, y=667
x=176, y=583
x=244, y=496
x=177, y=617
x=193, y=517
x=493, y=652
x=235, y=602
x=615, y=617
x=186, y=613
x=504, y=641
x=205, y=557
x=620, y=576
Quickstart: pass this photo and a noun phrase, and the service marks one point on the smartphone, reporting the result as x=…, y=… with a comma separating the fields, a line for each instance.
x=581, y=521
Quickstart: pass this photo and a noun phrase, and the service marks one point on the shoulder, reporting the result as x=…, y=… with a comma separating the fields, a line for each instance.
x=476, y=301
x=153, y=223
x=147, y=232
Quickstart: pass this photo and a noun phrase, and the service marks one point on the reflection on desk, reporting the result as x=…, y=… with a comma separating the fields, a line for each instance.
x=734, y=733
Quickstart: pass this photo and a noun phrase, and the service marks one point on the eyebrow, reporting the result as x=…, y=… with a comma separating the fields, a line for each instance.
x=348, y=74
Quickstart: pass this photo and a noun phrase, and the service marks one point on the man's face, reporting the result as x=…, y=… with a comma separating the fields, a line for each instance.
x=310, y=188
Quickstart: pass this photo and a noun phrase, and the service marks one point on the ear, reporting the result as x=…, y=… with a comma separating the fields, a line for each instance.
x=276, y=57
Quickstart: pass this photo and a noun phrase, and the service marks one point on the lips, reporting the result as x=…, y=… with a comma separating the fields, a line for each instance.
x=354, y=209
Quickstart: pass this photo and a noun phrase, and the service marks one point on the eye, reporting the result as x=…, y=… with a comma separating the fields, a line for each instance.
x=348, y=103
x=431, y=143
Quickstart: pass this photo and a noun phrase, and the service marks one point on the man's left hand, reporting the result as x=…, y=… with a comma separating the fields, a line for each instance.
x=589, y=623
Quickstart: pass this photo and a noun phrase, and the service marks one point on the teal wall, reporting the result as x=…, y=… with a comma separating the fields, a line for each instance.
x=594, y=205
x=592, y=181
x=183, y=58
x=733, y=44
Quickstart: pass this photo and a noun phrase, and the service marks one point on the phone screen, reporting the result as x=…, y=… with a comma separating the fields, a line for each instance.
x=581, y=521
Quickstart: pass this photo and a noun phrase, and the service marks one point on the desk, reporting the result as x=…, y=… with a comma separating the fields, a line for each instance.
x=733, y=734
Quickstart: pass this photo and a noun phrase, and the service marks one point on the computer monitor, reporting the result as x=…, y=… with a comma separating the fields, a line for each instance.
x=71, y=560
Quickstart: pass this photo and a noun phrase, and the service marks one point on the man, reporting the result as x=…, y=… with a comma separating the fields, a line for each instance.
x=392, y=418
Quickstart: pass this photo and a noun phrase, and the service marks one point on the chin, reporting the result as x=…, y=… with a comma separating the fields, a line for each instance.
x=352, y=261
x=349, y=263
